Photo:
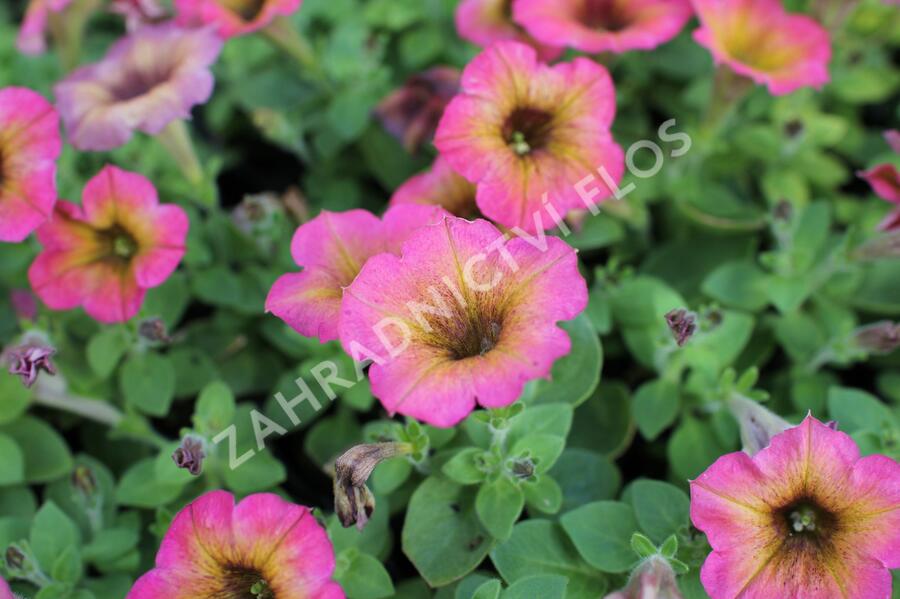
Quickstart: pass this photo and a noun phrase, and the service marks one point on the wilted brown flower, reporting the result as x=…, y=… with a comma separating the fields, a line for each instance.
x=190, y=455
x=353, y=502
x=411, y=113
x=683, y=325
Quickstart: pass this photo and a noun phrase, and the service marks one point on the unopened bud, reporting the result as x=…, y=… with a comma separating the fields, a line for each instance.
x=15, y=559
x=879, y=338
x=522, y=468
x=758, y=425
x=683, y=325
x=652, y=579
x=84, y=481
x=353, y=502
x=189, y=455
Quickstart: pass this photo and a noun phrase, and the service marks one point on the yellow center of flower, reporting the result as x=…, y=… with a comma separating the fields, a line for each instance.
x=527, y=130
x=247, y=9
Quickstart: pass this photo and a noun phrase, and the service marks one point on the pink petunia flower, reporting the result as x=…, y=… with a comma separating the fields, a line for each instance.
x=604, y=25
x=805, y=517
x=106, y=253
x=465, y=317
x=33, y=33
x=5, y=591
x=29, y=146
x=332, y=249
x=233, y=17
x=412, y=112
x=528, y=134
x=759, y=40
x=885, y=182
x=148, y=79
x=484, y=22
x=440, y=186
x=138, y=13
x=261, y=547
x=893, y=138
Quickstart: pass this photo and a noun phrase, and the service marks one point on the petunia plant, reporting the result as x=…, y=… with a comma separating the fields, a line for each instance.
x=449, y=299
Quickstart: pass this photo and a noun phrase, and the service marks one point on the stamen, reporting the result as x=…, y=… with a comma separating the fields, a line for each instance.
x=803, y=520
x=124, y=246
x=518, y=143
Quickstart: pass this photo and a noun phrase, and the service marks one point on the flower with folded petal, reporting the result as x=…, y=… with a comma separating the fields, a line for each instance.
x=33, y=33
x=28, y=360
x=484, y=22
x=527, y=134
x=759, y=40
x=233, y=17
x=411, y=113
x=441, y=186
x=263, y=547
x=885, y=182
x=105, y=254
x=29, y=147
x=150, y=78
x=332, y=249
x=464, y=317
x=604, y=25
x=805, y=517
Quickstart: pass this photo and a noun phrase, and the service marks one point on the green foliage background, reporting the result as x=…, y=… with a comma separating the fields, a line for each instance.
x=612, y=453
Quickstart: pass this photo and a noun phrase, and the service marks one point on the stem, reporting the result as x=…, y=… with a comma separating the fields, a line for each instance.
x=284, y=37
x=67, y=29
x=92, y=409
x=729, y=89
x=177, y=141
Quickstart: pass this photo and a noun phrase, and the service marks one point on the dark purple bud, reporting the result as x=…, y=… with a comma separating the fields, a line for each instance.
x=879, y=338
x=190, y=455
x=154, y=329
x=411, y=113
x=28, y=360
x=683, y=325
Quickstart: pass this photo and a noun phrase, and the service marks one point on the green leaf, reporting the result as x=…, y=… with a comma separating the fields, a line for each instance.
x=552, y=419
x=856, y=410
x=692, y=448
x=148, y=383
x=604, y=423
x=140, y=488
x=738, y=285
x=52, y=533
x=539, y=547
x=364, y=577
x=661, y=509
x=109, y=544
x=602, y=533
x=106, y=348
x=585, y=476
x=442, y=535
x=15, y=397
x=462, y=467
x=499, y=504
x=575, y=376
x=488, y=590
x=655, y=407
x=544, y=494
x=68, y=566
x=12, y=464
x=261, y=473
x=545, y=587
x=642, y=546
x=215, y=409
x=47, y=457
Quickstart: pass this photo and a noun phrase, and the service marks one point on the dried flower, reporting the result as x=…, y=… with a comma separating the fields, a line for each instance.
x=683, y=325
x=28, y=360
x=411, y=113
x=189, y=455
x=353, y=502
x=758, y=425
x=879, y=338
x=154, y=329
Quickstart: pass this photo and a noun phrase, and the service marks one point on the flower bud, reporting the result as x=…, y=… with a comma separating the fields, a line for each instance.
x=879, y=338
x=15, y=559
x=189, y=455
x=652, y=579
x=24, y=303
x=353, y=502
x=758, y=425
x=84, y=481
